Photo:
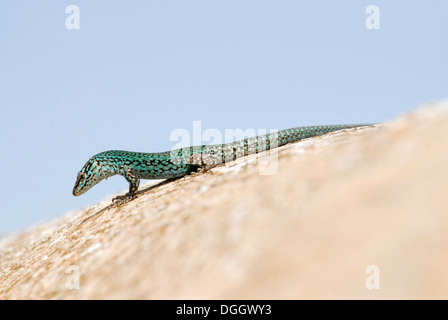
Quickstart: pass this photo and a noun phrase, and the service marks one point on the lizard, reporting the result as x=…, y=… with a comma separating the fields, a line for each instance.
x=177, y=163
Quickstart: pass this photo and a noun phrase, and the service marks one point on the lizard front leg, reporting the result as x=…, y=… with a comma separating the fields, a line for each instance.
x=133, y=186
x=133, y=182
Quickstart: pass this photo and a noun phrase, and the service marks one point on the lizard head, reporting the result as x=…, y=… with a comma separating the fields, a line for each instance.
x=89, y=176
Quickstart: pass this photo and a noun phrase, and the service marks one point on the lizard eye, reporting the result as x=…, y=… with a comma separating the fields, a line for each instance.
x=81, y=178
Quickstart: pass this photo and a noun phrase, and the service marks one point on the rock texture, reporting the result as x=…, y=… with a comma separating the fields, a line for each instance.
x=308, y=227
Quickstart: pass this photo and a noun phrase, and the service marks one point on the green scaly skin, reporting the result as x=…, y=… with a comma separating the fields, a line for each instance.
x=134, y=166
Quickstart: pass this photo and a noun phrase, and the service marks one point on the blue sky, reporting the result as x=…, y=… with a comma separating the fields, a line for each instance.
x=137, y=70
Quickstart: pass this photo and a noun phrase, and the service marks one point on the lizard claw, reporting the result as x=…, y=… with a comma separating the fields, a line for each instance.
x=123, y=199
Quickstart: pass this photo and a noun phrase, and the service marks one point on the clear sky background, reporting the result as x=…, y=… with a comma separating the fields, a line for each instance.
x=137, y=70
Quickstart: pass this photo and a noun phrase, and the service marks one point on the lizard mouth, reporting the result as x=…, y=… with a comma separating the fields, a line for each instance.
x=76, y=190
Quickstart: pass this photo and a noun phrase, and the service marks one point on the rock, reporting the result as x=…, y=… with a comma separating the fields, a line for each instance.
x=358, y=214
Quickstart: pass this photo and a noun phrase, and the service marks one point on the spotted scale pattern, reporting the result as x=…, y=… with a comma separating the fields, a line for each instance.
x=134, y=166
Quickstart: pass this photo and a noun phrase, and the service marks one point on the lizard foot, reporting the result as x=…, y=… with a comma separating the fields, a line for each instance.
x=118, y=200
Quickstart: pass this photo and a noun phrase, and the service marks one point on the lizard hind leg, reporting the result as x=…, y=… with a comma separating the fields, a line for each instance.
x=194, y=170
x=203, y=163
